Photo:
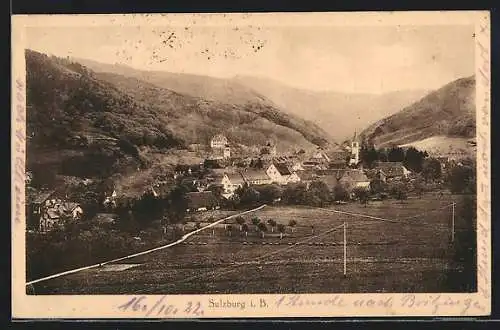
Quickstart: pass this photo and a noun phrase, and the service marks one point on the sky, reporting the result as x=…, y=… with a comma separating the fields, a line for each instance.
x=349, y=59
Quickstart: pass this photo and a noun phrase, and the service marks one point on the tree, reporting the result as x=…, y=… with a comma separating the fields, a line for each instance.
x=177, y=204
x=217, y=190
x=340, y=193
x=431, y=169
x=292, y=224
x=318, y=194
x=244, y=227
x=272, y=224
x=281, y=229
x=269, y=193
x=229, y=230
x=361, y=194
x=248, y=196
x=396, y=154
x=377, y=186
x=462, y=180
x=240, y=221
x=414, y=159
x=398, y=191
x=368, y=154
x=418, y=186
x=262, y=228
x=295, y=194
x=256, y=222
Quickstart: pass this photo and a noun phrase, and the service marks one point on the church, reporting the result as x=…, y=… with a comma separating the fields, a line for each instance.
x=354, y=149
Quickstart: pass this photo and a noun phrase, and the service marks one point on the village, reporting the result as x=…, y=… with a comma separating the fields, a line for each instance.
x=214, y=182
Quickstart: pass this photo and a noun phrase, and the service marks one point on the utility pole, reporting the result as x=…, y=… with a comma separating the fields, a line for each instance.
x=453, y=222
x=345, y=250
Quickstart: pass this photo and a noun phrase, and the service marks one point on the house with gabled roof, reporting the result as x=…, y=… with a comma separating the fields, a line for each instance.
x=280, y=173
x=392, y=170
x=255, y=177
x=229, y=183
x=219, y=141
x=354, y=178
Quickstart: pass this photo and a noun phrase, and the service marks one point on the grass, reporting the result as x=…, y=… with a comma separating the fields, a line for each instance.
x=381, y=256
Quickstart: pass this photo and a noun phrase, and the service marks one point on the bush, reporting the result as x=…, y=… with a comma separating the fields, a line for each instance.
x=340, y=193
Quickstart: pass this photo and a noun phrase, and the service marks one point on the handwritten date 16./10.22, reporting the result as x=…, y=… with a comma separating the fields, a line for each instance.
x=161, y=307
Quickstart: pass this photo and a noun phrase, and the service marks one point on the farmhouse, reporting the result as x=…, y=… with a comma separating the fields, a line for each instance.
x=269, y=149
x=218, y=142
x=230, y=182
x=56, y=212
x=201, y=201
x=281, y=174
x=338, y=159
x=255, y=177
x=110, y=199
x=354, y=178
x=307, y=176
x=38, y=201
x=392, y=171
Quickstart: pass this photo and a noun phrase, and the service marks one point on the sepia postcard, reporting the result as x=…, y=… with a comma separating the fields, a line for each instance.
x=251, y=165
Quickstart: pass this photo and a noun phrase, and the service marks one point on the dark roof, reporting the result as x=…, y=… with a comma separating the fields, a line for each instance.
x=355, y=175
x=338, y=156
x=219, y=138
x=282, y=169
x=201, y=199
x=235, y=178
x=251, y=175
x=41, y=197
x=391, y=169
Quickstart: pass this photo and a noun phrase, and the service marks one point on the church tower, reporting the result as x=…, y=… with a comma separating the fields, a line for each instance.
x=354, y=151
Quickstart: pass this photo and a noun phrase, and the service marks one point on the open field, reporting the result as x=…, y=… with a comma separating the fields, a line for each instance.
x=408, y=253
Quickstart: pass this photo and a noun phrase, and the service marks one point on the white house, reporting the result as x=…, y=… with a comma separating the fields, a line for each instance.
x=218, y=142
x=281, y=174
x=293, y=178
x=231, y=182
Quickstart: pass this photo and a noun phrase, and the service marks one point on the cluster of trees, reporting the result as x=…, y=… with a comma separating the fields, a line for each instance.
x=317, y=193
x=412, y=158
x=462, y=178
x=262, y=226
x=168, y=208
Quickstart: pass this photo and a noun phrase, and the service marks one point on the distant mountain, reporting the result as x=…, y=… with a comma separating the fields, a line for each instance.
x=446, y=112
x=337, y=114
x=340, y=114
x=69, y=104
x=217, y=90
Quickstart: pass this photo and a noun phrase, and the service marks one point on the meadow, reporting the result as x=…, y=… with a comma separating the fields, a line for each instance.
x=403, y=246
